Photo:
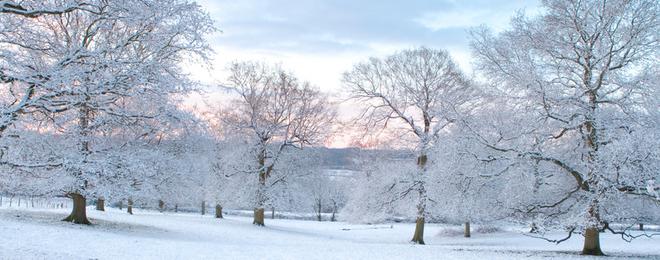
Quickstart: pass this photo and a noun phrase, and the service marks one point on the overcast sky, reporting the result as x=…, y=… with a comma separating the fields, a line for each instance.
x=320, y=39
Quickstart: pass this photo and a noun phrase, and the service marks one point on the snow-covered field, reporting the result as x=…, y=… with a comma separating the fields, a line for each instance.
x=38, y=234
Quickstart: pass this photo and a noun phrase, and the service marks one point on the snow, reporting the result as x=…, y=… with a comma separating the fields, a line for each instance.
x=38, y=234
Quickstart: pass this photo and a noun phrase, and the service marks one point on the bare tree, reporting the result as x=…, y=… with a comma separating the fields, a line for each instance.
x=581, y=74
x=275, y=112
x=418, y=93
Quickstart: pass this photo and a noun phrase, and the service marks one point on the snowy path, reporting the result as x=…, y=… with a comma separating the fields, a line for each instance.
x=150, y=235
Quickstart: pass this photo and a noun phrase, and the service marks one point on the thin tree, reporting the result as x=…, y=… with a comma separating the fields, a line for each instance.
x=275, y=111
x=417, y=93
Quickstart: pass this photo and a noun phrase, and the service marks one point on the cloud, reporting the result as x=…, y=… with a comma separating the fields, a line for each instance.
x=494, y=14
x=438, y=20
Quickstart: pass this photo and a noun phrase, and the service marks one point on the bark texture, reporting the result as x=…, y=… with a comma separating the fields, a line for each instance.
x=79, y=212
x=100, y=204
x=218, y=211
x=592, y=242
x=129, y=208
x=418, y=237
x=258, y=217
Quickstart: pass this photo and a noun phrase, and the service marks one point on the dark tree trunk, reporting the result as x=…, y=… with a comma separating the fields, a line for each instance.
x=121, y=205
x=176, y=208
x=203, y=207
x=218, y=211
x=641, y=225
x=272, y=213
x=466, y=233
x=258, y=217
x=334, y=211
x=100, y=204
x=161, y=205
x=129, y=208
x=319, y=206
x=79, y=212
x=418, y=237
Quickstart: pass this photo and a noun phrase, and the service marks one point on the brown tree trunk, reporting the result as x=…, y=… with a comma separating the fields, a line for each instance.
x=218, y=211
x=592, y=242
x=466, y=233
x=79, y=212
x=161, y=205
x=100, y=204
x=129, y=208
x=418, y=237
x=258, y=217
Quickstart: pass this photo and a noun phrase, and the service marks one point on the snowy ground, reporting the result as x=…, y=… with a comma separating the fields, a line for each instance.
x=38, y=234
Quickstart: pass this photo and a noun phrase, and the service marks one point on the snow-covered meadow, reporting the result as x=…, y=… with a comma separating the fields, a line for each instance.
x=39, y=234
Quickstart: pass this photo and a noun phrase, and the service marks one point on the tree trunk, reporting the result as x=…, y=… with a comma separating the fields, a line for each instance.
x=641, y=225
x=100, y=204
x=203, y=207
x=258, y=217
x=79, y=212
x=592, y=242
x=176, y=208
x=466, y=233
x=333, y=218
x=129, y=208
x=418, y=237
x=264, y=172
x=161, y=205
x=218, y=211
x=272, y=213
x=121, y=205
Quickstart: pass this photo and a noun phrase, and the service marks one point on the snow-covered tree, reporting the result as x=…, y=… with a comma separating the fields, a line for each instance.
x=106, y=64
x=581, y=82
x=417, y=92
x=275, y=112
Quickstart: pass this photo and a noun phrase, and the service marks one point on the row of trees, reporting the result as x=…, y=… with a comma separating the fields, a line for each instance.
x=568, y=99
x=557, y=128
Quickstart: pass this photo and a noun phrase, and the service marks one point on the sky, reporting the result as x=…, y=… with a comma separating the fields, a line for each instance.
x=318, y=40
